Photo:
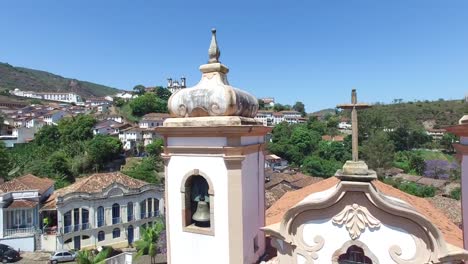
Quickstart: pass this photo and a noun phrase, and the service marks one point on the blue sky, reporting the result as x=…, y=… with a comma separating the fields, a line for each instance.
x=310, y=51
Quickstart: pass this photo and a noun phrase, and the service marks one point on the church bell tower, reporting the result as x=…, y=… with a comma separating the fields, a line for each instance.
x=214, y=171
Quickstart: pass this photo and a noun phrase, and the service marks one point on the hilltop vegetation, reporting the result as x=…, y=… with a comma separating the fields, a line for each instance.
x=431, y=114
x=41, y=81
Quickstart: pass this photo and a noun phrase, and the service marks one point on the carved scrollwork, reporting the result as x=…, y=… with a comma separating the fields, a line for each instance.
x=310, y=252
x=356, y=218
x=422, y=254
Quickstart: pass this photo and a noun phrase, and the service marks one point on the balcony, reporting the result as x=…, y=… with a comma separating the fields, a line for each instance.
x=19, y=231
x=116, y=220
x=130, y=218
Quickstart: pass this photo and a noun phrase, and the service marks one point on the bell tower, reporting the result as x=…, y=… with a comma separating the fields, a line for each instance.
x=214, y=171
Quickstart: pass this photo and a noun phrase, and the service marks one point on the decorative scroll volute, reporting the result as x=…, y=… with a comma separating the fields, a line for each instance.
x=356, y=218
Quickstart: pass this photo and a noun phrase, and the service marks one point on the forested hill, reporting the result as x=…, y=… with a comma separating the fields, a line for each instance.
x=34, y=80
x=430, y=114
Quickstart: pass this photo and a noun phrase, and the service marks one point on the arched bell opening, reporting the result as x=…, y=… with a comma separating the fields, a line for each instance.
x=198, y=202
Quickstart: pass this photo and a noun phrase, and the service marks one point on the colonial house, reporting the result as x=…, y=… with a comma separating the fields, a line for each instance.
x=272, y=161
x=20, y=201
x=106, y=127
x=152, y=120
x=436, y=134
x=131, y=137
x=52, y=117
x=271, y=118
x=104, y=209
x=149, y=135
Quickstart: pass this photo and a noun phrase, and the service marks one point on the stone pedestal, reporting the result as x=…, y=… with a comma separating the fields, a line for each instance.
x=356, y=171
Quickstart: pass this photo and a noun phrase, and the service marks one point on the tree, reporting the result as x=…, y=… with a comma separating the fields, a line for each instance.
x=300, y=107
x=5, y=161
x=148, y=243
x=261, y=104
x=59, y=164
x=155, y=148
x=48, y=136
x=89, y=257
x=77, y=128
x=447, y=142
x=148, y=103
x=103, y=148
x=163, y=93
x=378, y=151
x=400, y=138
x=316, y=125
x=139, y=89
x=146, y=170
x=332, y=150
x=316, y=166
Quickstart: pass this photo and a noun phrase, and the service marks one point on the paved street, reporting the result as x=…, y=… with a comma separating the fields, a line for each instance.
x=42, y=258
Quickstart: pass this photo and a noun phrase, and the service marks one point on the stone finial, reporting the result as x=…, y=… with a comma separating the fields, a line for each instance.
x=213, y=95
x=213, y=51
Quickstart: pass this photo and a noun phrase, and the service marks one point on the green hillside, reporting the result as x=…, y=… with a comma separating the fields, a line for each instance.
x=435, y=114
x=34, y=80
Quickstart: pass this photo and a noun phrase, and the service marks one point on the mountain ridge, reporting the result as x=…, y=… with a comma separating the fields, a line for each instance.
x=27, y=79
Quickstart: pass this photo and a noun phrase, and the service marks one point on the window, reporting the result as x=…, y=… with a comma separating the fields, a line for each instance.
x=354, y=255
x=116, y=233
x=101, y=236
x=197, y=205
x=156, y=207
x=84, y=219
x=100, y=216
x=150, y=207
x=130, y=212
x=115, y=213
x=143, y=209
x=67, y=222
x=76, y=219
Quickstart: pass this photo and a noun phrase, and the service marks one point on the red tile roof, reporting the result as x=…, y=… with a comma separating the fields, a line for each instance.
x=22, y=204
x=99, y=181
x=27, y=182
x=451, y=232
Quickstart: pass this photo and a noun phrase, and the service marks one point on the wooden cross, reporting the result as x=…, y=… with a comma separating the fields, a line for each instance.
x=354, y=106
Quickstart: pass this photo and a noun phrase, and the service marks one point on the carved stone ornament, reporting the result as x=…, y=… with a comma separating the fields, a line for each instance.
x=356, y=218
x=212, y=96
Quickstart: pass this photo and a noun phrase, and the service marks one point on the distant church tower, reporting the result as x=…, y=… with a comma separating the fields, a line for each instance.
x=175, y=86
x=214, y=171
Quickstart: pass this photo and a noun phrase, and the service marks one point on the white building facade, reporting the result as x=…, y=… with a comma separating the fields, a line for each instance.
x=110, y=213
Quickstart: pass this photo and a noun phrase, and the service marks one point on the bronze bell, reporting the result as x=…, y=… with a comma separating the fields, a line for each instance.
x=202, y=215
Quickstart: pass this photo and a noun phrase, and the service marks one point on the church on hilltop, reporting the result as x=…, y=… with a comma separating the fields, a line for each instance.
x=215, y=194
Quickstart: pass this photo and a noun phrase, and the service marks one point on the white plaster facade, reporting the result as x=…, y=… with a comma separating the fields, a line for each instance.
x=325, y=225
x=123, y=209
x=216, y=248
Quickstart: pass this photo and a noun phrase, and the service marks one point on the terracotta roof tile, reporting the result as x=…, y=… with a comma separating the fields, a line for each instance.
x=275, y=213
x=22, y=204
x=451, y=232
x=99, y=181
x=27, y=182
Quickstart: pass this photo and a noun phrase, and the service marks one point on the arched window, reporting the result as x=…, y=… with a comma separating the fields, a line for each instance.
x=115, y=213
x=67, y=222
x=150, y=207
x=143, y=209
x=197, y=204
x=156, y=207
x=76, y=219
x=101, y=236
x=84, y=219
x=116, y=233
x=100, y=216
x=354, y=255
x=130, y=216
